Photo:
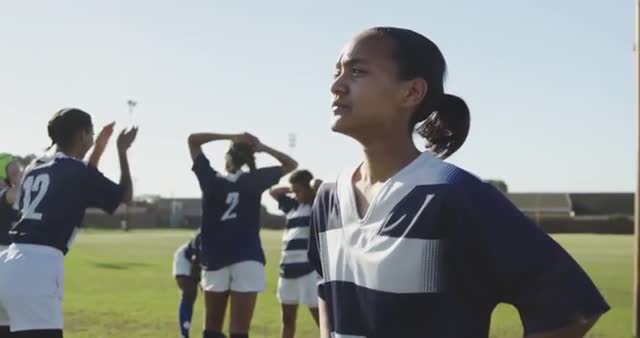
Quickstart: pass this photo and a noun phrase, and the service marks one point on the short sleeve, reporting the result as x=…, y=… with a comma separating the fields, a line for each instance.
x=102, y=192
x=206, y=175
x=286, y=203
x=264, y=178
x=525, y=266
x=318, y=224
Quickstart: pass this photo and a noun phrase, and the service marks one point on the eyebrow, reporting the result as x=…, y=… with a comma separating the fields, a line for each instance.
x=351, y=62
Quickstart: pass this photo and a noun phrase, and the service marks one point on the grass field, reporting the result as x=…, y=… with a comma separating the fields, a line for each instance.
x=120, y=285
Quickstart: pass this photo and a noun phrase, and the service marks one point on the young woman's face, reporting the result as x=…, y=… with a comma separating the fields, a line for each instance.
x=303, y=193
x=368, y=97
x=85, y=138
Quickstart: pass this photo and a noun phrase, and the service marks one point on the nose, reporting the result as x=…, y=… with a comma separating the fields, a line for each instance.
x=339, y=87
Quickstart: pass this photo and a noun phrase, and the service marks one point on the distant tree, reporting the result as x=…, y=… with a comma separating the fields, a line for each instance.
x=499, y=184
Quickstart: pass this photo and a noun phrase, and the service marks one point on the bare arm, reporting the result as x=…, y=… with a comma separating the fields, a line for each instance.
x=288, y=163
x=276, y=192
x=323, y=314
x=101, y=144
x=125, y=140
x=577, y=330
x=198, y=139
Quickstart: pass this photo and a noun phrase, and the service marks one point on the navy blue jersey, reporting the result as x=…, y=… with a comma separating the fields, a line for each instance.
x=8, y=215
x=53, y=197
x=231, y=213
x=434, y=254
x=295, y=240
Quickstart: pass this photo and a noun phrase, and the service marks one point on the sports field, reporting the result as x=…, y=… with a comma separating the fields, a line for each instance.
x=120, y=285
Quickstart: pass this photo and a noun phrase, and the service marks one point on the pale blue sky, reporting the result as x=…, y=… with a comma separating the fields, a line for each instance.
x=550, y=83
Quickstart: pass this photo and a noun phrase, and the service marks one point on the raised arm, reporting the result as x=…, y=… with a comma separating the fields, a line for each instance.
x=125, y=139
x=101, y=144
x=288, y=163
x=196, y=140
x=276, y=192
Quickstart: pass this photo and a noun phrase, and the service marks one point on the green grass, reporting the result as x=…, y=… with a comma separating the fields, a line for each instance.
x=120, y=285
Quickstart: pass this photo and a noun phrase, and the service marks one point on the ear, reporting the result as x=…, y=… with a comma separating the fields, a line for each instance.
x=414, y=92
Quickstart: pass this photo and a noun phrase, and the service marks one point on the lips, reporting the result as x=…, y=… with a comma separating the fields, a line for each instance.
x=340, y=108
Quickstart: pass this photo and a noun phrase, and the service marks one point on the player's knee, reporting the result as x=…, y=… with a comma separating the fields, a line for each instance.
x=189, y=294
x=289, y=320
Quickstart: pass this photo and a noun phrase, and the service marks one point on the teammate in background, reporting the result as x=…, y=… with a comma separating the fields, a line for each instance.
x=10, y=175
x=232, y=255
x=298, y=281
x=411, y=246
x=186, y=270
x=52, y=199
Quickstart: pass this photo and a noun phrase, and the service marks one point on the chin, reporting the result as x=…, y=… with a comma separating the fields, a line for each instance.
x=339, y=125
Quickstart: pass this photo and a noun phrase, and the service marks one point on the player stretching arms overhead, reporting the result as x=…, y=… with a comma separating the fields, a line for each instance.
x=232, y=254
x=186, y=270
x=54, y=194
x=411, y=246
x=298, y=282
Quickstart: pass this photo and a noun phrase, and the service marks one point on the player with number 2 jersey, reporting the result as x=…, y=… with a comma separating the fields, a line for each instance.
x=232, y=257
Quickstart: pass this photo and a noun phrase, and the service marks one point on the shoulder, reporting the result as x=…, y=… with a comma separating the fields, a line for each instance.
x=69, y=163
x=326, y=199
x=326, y=192
x=438, y=171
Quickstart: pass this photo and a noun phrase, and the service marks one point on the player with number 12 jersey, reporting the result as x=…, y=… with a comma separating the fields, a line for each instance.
x=55, y=192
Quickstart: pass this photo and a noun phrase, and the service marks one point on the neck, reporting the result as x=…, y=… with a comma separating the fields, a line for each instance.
x=385, y=156
x=75, y=153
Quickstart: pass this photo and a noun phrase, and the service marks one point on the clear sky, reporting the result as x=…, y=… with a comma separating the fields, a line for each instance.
x=550, y=84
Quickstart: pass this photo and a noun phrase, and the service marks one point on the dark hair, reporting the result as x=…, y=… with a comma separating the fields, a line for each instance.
x=446, y=117
x=65, y=124
x=301, y=176
x=242, y=153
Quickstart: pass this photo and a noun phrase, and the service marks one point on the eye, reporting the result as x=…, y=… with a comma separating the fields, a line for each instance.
x=358, y=71
x=336, y=73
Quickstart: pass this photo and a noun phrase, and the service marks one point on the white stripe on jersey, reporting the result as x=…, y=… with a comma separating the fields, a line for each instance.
x=378, y=264
x=295, y=233
x=303, y=210
x=295, y=256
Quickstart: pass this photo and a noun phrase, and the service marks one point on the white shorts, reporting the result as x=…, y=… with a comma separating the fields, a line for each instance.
x=31, y=287
x=245, y=276
x=302, y=290
x=181, y=265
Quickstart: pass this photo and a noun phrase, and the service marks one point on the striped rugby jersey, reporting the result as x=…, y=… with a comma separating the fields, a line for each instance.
x=295, y=239
x=434, y=254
